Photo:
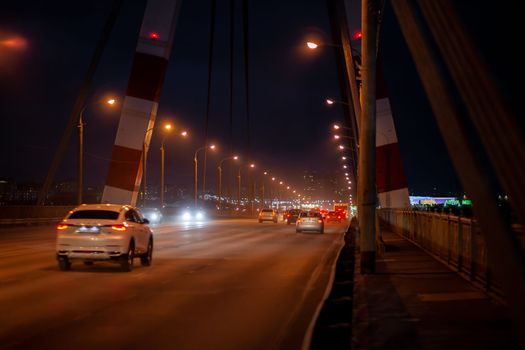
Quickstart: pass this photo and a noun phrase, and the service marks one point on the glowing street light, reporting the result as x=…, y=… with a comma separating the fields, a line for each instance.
x=341, y=147
x=312, y=45
x=337, y=137
x=343, y=158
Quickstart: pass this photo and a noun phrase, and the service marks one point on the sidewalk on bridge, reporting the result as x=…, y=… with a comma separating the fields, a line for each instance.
x=415, y=302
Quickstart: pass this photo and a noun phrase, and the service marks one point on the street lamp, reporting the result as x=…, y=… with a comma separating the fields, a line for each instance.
x=167, y=128
x=251, y=165
x=220, y=177
x=81, y=124
x=262, y=190
x=212, y=147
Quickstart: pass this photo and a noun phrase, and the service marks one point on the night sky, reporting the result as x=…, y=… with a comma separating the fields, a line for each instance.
x=290, y=124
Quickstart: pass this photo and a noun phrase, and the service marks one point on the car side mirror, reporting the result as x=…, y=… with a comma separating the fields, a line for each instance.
x=145, y=221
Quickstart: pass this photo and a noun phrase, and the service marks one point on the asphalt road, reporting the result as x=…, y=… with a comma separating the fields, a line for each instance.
x=228, y=284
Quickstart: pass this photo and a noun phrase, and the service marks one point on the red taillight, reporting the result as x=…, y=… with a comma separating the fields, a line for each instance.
x=118, y=228
x=328, y=217
x=320, y=221
x=62, y=226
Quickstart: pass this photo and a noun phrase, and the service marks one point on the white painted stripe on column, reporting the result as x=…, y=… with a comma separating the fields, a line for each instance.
x=385, y=129
x=117, y=195
x=394, y=199
x=134, y=122
x=153, y=47
x=158, y=18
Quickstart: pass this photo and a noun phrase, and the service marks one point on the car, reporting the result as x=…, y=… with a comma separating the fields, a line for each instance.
x=104, y=232
x=310, y=221
x=193, y=215
x=154, y=215
x=334, y=216
x=291, y=215
x=267, y=215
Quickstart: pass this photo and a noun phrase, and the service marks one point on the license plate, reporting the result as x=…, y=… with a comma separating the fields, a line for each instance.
x=88, y=229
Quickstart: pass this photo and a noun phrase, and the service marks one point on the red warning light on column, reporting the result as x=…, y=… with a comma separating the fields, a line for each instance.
x=357, y=35
x=154, y=35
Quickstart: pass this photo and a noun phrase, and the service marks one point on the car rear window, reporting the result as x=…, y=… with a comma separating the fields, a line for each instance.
x=267, y=211
x=94, y=214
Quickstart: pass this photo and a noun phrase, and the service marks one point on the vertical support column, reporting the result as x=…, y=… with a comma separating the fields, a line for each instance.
x=141, y=102
x=391, y=182
x=366, y=190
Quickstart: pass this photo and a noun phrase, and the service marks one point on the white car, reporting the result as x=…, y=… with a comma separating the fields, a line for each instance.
x=110, y=232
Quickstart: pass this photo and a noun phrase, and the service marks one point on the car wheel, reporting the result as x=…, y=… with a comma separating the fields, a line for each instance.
x=146, y=258
x=126, y=260
x=322, y=231
x=297, y=231
x=260, y=221
x=88, y=263
x=64, y=264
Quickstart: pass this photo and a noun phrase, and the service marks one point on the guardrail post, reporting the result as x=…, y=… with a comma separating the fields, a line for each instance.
x=459, y=244
x=472, y=252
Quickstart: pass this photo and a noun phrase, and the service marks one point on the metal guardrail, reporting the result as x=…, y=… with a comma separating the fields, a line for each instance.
x=454, y=240
x=31, y=214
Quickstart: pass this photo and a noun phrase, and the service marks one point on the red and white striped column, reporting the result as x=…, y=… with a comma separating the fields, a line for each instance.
x=391, y=183
x=140, y=105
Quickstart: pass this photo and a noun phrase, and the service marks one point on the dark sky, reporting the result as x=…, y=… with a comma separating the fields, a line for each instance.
x=290, y=125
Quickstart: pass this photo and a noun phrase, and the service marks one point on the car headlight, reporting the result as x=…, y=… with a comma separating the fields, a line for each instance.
x=154, y=216
x=186, y=215
x=199, y=216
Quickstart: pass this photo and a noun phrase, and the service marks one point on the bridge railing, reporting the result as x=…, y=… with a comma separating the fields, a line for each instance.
x=32, y=214
x=456, y=241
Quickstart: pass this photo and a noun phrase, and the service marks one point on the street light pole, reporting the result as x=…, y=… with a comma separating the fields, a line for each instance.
x=80, y=183
x=162, y=174
x=196, y=173
x=195, y=181
x=220, y=178
x=239, y=188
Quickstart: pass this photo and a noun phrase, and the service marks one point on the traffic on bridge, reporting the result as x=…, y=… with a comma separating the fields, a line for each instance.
x=321, y=174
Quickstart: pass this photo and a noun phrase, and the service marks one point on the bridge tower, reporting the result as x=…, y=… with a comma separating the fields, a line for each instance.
x=140, y=105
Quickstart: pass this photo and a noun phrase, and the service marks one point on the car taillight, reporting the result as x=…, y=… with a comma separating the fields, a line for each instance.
x=62, y=226
x=339, y=217
x=118, y=228
x=328, y=217
x=320, y=221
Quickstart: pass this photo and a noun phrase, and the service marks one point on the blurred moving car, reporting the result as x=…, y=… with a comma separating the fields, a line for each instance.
x=334, y=216
x=310, y=221
x=193, y=215
x=110, y=232
x=154, y=215
x=291, y=216
x=267, y=215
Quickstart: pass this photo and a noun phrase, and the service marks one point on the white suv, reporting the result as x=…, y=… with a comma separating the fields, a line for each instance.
x=110, y=232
